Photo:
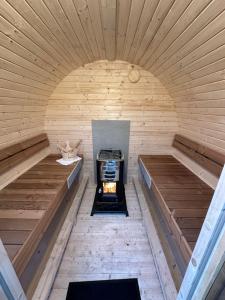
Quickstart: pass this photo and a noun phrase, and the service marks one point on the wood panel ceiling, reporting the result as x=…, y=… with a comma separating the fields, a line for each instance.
x=171, y=38
x=182, y=42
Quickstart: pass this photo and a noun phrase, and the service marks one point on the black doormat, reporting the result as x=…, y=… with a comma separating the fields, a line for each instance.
x=119, y=289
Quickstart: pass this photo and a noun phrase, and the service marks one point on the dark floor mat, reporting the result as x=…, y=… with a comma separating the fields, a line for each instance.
x=119, y=289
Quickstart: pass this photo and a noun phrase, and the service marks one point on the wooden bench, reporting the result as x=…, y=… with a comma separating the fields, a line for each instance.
x=182, y=196
x=32, y=208
x=16, y=154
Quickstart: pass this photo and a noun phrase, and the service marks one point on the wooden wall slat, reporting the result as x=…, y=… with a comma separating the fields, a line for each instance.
x=102, y=90
x=180, y=42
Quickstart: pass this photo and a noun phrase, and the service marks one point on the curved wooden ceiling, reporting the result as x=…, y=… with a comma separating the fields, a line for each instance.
x=182, y=42
x=174, y=39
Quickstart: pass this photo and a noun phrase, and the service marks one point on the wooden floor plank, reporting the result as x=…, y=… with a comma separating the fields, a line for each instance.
x=108, y=247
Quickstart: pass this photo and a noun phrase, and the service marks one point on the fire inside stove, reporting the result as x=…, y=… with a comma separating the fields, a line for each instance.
x=109, y=187
x=110, y=193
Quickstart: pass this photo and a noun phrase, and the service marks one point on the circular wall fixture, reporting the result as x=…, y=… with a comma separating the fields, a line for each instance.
x=82, y=6
x=134, y=75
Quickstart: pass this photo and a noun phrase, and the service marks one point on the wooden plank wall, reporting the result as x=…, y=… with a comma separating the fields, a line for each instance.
x=101, y=90
x=180, y=42
x=190, y=61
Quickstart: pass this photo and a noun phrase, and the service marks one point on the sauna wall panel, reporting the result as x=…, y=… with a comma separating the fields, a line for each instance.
x=102, y=91
x=181, y=42
x=21, y=116
x=190, y=63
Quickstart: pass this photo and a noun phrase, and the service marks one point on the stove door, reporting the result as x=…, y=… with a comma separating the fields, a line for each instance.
x=109, y=187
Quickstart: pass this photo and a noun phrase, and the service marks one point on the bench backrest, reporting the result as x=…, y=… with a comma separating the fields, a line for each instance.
x=210, y=159
x=17, y=153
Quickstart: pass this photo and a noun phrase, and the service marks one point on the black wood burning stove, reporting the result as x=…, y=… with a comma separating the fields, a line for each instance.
x=110, y=192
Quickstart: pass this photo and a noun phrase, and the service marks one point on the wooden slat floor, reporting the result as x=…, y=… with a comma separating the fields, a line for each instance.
x=108, y=247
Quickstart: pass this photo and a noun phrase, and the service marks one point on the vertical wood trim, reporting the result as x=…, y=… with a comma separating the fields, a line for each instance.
x=209, y=250
x=47, y=279
x=166, y=280
x=8, y=278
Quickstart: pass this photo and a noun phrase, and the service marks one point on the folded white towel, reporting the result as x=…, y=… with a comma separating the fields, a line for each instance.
x=67, y=162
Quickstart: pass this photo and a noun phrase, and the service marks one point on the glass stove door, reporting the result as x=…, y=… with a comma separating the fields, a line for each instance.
x=109, y=187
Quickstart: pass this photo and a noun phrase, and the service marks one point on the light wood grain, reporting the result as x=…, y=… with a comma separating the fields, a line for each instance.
x=102, y=90
x=181, y=42
x=207, y=258
x=108, y=247
x=165, y=277
x=22, y=167
x=13, y=287
x=47, y=279
x=168, y=178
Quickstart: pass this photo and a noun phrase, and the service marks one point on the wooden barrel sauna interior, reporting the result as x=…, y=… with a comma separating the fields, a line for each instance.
x=159, y=64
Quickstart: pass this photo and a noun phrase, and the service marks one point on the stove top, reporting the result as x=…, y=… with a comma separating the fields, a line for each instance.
x=110, y=154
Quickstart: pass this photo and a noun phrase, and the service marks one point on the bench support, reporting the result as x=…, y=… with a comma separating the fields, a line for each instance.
x=48, y=276
x=208, y=255
x=167, y=284
x=10, y=287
